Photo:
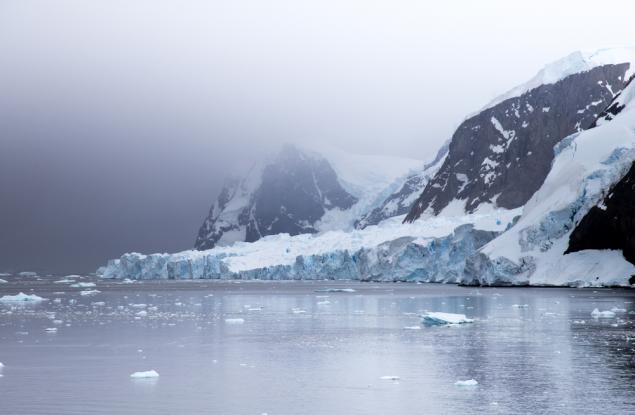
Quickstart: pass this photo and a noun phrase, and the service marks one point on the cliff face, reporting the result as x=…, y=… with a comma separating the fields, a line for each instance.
x=610, y=224
x=503, y=154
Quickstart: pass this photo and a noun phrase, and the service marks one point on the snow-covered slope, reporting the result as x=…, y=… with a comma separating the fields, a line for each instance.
x=587, y=166
x=502, y=155
x=405, y=192
x=299, y=191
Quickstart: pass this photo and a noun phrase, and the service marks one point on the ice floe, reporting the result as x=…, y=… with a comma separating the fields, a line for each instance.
x=21, y=297
x=145, y=375
x=441, y=319
x=602, y=314
x=470, y=382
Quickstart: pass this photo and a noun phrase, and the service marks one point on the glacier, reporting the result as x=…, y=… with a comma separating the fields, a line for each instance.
x=434, y=250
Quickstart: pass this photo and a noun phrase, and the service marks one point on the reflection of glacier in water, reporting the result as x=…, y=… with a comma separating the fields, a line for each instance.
x=298, y=351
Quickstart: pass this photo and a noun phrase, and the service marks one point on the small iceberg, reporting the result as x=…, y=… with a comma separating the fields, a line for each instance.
x=3, y=281
x=336, y=290
x=234, y=320
x=390, y=377
x=84, y=285
x=618, y=310
x=89, y=292
x=602, y=314
x=442, y=319
x=412, y=328
x=51, y=329
x=470, y=382
x=21, y=298
x=145, y=375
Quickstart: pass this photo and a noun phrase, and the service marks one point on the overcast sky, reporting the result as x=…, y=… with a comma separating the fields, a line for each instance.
x=119, y=118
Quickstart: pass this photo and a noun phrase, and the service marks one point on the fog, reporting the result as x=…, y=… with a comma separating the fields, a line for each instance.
x=120, y=118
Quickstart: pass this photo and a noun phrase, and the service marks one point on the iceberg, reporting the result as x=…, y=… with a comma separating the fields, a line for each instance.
x=442, y=319
x=145, y=375
x=21, y=298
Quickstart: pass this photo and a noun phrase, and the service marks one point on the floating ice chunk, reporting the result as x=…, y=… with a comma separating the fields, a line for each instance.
x=127, y=281
x=234, y=320
x=520, y=305
x=145, y=375
x=138, y=305
x=51, y=329
x=21, y=297
x=390, y=377
x=298, y=311
x=142, y=313
x=412, y=328
x=336, y=290
x=470, y=382
x=602, y=314
x=64, y=281
x=27, y=274
x=325, y=302
x=89, y=292
x=84, y=285
x=1, y=365
x=440, y=319
x=618, y=310
x=3, y=281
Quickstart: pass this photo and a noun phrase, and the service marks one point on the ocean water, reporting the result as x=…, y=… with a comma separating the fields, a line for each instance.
x=283, y=348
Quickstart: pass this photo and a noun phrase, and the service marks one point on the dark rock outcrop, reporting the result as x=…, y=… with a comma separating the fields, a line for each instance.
x=503, y=154
x=611, y=224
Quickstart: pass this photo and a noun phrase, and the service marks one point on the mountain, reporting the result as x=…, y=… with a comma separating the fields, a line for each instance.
x=577, y=229
x=501, y=155
x=571, y=223
x=299, y=191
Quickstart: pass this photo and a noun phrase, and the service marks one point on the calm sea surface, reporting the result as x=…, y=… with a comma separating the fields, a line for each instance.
x=298, y=351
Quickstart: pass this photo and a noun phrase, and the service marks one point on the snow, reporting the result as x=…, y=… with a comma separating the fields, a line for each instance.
x=440, y=319
x=602, y=314
x=145, y=375
x=21, y=297
x=470, y=382
x=576, y=62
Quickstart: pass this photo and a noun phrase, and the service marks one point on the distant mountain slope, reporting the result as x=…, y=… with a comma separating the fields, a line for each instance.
x=299, y=191
x=502, y=155
x=400, y=201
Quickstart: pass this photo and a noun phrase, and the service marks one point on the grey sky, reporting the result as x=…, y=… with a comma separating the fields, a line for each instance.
x=119, y=118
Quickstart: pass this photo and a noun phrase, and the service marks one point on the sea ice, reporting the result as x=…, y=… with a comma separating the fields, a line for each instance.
x=21, y=297
x=145, y=375
x=440, y=319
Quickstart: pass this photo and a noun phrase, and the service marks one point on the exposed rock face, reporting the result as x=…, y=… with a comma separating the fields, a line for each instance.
x=611, y=224
x=503, y=154
x=288, y=195
x=400, y=202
